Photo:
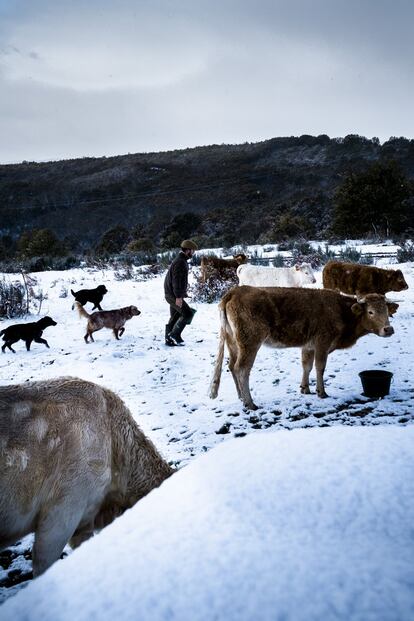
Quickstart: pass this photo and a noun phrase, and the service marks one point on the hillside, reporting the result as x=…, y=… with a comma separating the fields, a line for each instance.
x=247, y=185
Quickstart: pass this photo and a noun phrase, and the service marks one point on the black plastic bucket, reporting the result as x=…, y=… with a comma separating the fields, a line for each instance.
x=190, y=317
x=376, y=383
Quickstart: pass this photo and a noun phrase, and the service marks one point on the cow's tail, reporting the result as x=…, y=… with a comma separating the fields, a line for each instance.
x=215, y=382
x=239, y=269
x=82, y=312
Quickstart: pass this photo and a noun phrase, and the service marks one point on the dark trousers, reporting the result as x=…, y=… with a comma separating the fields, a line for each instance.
x=178, y=311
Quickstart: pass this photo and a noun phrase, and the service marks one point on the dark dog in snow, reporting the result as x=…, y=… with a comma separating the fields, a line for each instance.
x=27, y=332
x=112, y=319
x=94, y=296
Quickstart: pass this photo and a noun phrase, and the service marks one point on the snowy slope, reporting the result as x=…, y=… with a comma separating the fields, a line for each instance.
x=301, y=526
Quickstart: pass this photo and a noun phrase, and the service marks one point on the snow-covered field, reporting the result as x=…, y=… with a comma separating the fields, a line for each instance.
x=166, y=390
x=303, y=525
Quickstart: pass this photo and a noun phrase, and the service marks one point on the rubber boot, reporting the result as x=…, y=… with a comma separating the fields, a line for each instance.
x=175, y=333
x=168, y=339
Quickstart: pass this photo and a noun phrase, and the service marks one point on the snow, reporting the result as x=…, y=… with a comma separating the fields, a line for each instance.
x=214, y=541
x=387, y=248
x=305, y=525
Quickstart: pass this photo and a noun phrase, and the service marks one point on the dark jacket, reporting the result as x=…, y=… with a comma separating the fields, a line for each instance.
x=176, y=279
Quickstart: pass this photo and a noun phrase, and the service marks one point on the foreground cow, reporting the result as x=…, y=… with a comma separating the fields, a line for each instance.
x=319, y=321
x=72, y=458
x=261, y=276
x=216, y=265
x=355, y=279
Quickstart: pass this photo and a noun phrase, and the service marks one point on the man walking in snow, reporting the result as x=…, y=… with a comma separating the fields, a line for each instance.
x=175, y=290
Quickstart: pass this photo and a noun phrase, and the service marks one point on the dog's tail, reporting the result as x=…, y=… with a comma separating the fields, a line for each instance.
x=82, y=312
x=215, y=382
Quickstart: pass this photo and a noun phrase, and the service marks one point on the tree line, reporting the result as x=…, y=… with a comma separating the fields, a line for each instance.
x=375, y=202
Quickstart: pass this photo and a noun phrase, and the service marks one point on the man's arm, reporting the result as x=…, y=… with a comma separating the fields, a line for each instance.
x=179, y=283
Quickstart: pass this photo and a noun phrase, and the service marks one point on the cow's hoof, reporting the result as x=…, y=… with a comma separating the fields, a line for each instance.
x=322, y=395
x=305, y=390
x=251, y=406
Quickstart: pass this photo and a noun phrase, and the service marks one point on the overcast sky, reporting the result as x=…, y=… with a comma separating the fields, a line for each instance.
x=95, y=77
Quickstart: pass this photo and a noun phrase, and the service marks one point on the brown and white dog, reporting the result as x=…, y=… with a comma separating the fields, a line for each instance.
x=112, y=319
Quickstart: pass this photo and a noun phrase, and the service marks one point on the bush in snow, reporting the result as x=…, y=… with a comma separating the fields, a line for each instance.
x=406, y=253
x=214, y=288
x=12, y=299
x=17, y=298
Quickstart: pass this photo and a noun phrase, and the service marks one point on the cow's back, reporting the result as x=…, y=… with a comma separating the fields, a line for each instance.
x=355, y=279
x=290, y=316
x=341, y=276
x=263, y=276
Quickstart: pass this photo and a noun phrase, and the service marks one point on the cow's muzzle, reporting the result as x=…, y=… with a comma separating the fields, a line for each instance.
x=387, y=331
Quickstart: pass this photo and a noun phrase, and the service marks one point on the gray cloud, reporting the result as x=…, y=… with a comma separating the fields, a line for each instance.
x=102, y=78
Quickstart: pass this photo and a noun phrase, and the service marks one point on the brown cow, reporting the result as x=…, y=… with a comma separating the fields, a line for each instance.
x=355, y=279
x=317, y=320
x=72, y=458
x=211, y=265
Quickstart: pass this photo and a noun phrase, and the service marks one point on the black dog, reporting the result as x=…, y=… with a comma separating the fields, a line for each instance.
x=94, y=296
x=27, y=332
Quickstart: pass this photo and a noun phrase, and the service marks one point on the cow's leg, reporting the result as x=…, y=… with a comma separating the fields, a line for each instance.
x=81, y=535
x=232, y=347
x=54, y=529
x=115, y=331
x=321, y=356
x=242, y=368
x=308, y=356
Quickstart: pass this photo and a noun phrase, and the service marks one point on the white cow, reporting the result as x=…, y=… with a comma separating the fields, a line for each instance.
x=261, y=276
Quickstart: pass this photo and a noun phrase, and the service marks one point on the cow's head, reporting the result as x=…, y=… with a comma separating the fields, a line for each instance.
x=306, y=272
x=396, y=281
x=374, y=312
x=240, y=258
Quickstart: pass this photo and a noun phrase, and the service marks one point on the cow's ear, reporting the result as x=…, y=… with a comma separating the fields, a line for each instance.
x=297, y=266
x=392, y=308
x=357, y=308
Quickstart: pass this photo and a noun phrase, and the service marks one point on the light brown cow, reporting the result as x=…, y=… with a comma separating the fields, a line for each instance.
x=72, y=458
x=211, y=265
x=317, y=320
x=355, y=279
